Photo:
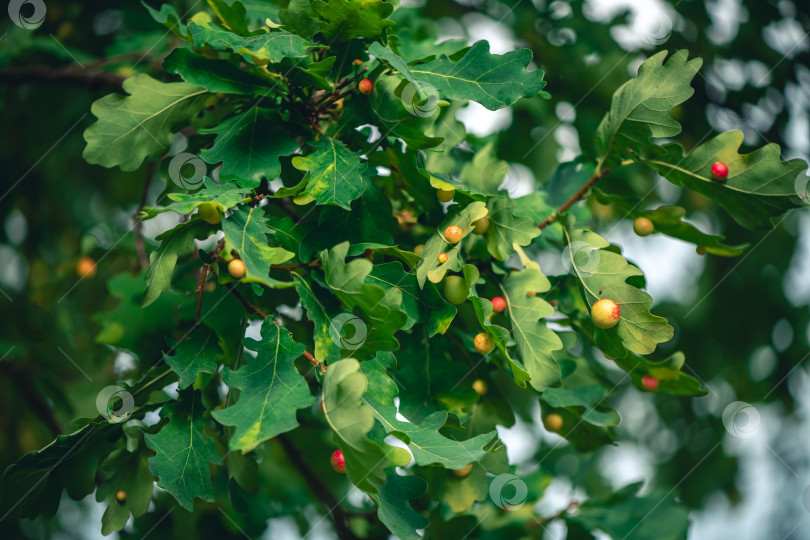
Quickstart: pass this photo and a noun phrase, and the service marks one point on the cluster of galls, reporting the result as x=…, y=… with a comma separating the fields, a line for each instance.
x=643, y=226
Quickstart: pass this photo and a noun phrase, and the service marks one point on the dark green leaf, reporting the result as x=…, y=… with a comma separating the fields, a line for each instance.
x=133, y=128
x=184, y=451
x=271, y=390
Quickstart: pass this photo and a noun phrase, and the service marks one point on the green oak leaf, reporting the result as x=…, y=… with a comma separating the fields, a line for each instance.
x=133, y=128
x=381, y=307
x=344, y=20
x=184, y=451
x=249, y=145
x=367, y=226
x=258, y=11
x=222, y=196
x=485, y=172
x=128, y=472
x=639, y=110
x=381, y=387
x=232, y=14
x=759, y=187
x=403, y=112
x=671, y=378
x=393, y=508
x=298, y=18
x=535, y=341
x=271, y=390
x=447, y=126
x=168, y=17
x=352, y=420
x=507, y=229
x=583, y=397
x=194, y=355
x=604, y=274
x=314, y=74
x=246, y=231
x=500, y=335
x=69, y=463
x=174, y=243
x=271, y=46
x=493, y=80
x=425, y=305
x=461, y=494
x=669, y=220
x=334, y=173
x=625, y=514
x=320, y=312
x=428, y=445
x=213, y=75
x=430, y=268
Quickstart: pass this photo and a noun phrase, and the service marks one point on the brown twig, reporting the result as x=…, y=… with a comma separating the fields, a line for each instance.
x=318, y=487
x=294, y=266
x=140, y=248
x=245, y=302
x=68, y=74
x=251, y=308
x=330, y=97
x=199, y=291
x=576, y=197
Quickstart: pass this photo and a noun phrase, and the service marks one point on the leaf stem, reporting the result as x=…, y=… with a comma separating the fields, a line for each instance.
x=574, y=198
x=199, y=291
x=294, y=266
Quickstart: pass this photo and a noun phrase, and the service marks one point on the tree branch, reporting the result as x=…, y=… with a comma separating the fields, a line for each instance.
x=317, y=486
x=294, y=266
x=200, y=287
x=576, y=197
x=68, y=75
x=251, y=308
x=245, y=302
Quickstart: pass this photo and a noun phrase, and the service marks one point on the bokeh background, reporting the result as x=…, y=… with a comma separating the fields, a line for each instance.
x=743, y=323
